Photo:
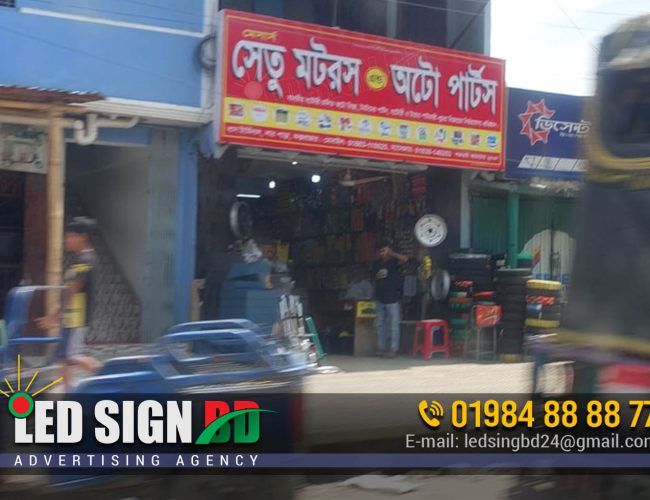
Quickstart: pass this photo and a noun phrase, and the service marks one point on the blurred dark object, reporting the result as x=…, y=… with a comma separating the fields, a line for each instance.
x=610, y=288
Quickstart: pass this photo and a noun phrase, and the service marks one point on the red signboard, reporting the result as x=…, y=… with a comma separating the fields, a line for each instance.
x=297, y=86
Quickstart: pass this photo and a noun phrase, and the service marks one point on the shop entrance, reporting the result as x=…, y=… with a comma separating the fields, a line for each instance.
x=12, y=207
x=320, y=227
x=109, y=184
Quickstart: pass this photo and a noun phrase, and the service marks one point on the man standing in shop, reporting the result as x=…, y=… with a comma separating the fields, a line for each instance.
x=77, y=300
x=386, y=275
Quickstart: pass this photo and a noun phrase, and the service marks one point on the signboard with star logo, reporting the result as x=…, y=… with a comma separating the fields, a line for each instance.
x=545, y=132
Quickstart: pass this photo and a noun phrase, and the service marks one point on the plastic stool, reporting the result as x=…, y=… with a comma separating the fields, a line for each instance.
x=423, y=338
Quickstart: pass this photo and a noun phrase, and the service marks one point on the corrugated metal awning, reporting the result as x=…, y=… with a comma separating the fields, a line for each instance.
x=46, y=96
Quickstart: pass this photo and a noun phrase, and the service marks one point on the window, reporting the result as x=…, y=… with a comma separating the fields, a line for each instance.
x=7, y=3
x=242, y=5
x=321, y=12
x=364, y=16
x=423, y=21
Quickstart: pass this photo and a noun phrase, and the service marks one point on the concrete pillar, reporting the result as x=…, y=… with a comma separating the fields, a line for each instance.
x=513, y=228
x=186, y=226
x=158, y=291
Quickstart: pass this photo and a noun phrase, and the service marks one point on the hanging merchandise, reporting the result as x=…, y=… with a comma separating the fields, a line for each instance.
x=357, y=216
x=418, y=185
x=241, y=220
x=440, y=284
x=410, y=287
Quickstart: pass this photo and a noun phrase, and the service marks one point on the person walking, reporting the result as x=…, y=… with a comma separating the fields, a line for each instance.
x=386, y=275
x=77, y=301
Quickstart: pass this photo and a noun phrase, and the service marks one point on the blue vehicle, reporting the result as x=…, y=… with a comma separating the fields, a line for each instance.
x=210, y=357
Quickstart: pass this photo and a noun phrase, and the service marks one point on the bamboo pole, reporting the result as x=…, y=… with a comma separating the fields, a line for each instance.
x=55, y=209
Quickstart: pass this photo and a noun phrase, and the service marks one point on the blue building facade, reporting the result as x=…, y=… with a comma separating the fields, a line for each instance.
x=153, y=63
x=138, y=176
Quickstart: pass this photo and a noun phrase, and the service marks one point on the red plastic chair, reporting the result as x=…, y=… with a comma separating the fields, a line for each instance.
x=483, y=318
x=423, y=338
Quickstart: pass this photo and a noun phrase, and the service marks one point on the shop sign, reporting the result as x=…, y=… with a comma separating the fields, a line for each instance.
x=302, y=87
x=545, y=133
x=23, y=148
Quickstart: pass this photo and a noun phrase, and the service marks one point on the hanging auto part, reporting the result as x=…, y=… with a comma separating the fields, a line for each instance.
x=440, y=284
x=241, y=220
x=431, y=230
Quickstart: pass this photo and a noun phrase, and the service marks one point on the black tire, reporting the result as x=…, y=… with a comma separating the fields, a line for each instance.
x=510, y=346
x=511, y=280
x=476, y=278
x=511, y=289
x=512, y=325
x=555, y=309
x=510, y=340
x=469, y=256
x=544, y=293
x=470, y=264
x=510, y=299
x=510, y=273
x=512, y=317
x=543, y=310
x=535, y=331
x=516, y=315
x=514, y=308
x=547, y=316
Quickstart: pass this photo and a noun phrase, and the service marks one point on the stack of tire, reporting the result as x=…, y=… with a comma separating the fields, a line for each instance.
x=543, y=308
x=511, y=293
x=474, y=267
x=471, y=273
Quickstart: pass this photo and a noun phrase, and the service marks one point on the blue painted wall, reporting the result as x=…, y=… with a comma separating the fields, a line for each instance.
x=117, y=61
x=186, y=213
